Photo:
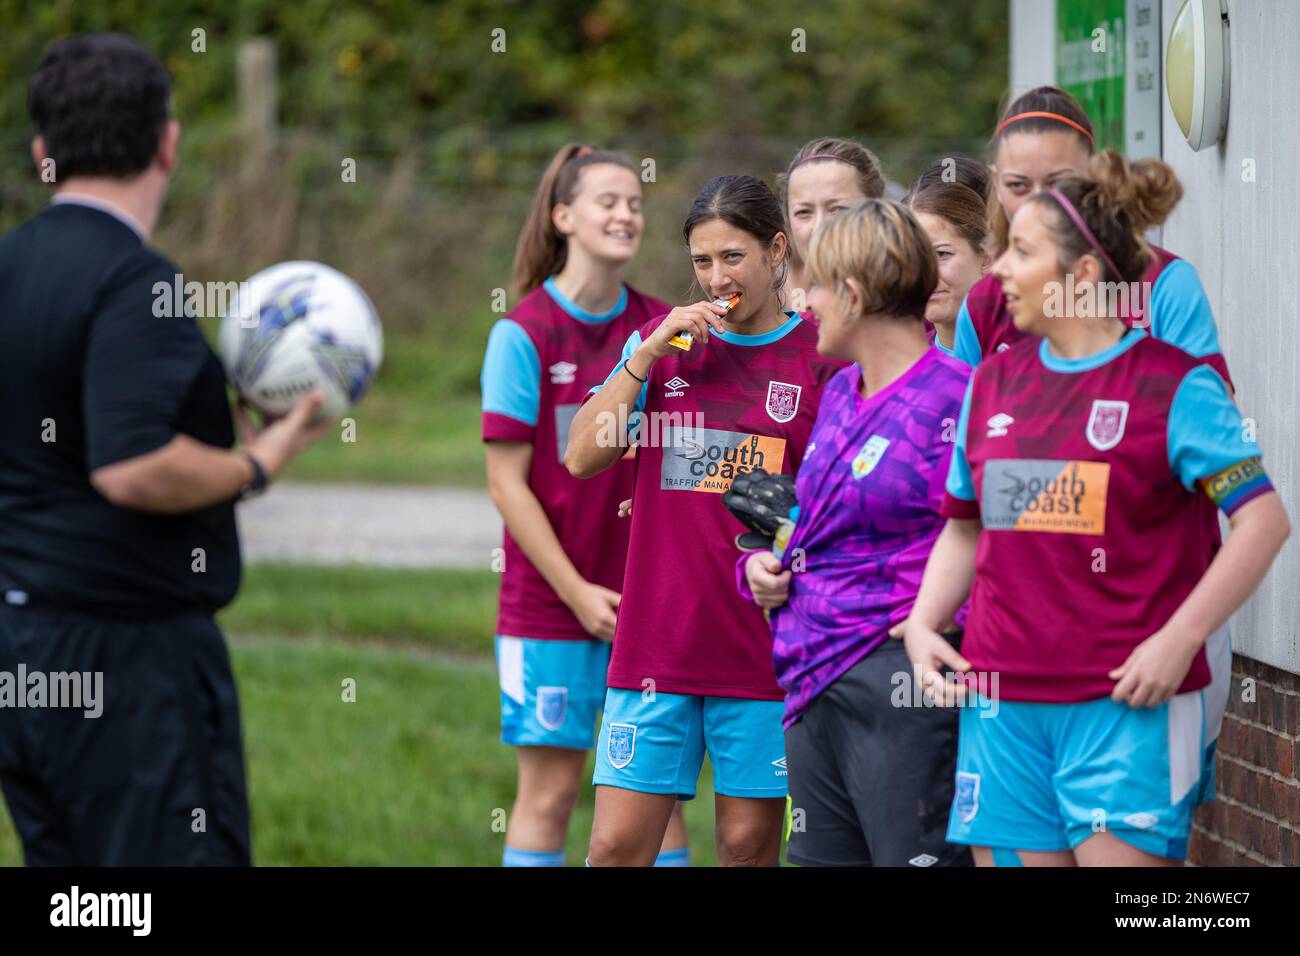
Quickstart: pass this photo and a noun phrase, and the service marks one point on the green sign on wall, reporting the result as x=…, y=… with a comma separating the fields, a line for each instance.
x=1090, y=63
x=1108, y=58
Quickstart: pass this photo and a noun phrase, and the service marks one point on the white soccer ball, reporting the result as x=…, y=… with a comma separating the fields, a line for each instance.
x=298, y=326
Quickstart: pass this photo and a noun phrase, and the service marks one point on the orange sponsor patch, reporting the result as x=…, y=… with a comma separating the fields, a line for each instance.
x=1065, y=497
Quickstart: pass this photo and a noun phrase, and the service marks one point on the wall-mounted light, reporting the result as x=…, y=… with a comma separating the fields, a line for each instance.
x=1196, y=71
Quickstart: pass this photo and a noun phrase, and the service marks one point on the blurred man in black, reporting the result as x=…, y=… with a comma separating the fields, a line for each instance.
x=117, y=491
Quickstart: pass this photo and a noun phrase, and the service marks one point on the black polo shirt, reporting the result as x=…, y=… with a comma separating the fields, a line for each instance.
x=89, y=376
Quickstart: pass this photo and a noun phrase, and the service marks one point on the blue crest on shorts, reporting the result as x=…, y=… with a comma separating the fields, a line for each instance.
x=968, y=796
x=622, y=744
x=552, y=705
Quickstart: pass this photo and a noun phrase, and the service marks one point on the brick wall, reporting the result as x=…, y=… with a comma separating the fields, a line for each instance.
x=1255, y=820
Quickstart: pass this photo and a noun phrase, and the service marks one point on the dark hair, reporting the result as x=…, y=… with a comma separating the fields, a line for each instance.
x=958, y=205
x=961, y=170
x=541, y=250
x=1119, y=201
x=1041, y=99
x=743, y=202
x=101, y=102
x=1045, y=99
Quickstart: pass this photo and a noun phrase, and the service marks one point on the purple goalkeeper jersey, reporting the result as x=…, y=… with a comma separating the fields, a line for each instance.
x=869, y=488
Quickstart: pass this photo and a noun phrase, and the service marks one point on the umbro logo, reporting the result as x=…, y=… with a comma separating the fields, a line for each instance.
x=925, y=859
x=675, y=386
x=562, y=373
x=1143, y=821
x=780, y=767
x=1002, y=347
x=998, y=424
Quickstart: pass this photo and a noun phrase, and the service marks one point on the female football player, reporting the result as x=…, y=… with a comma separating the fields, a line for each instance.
x=871, y=772
x=691, y=670
x=953, y=217
x=1044, y=135
x=1074, y=505
x=825, y=176
x=563, y=552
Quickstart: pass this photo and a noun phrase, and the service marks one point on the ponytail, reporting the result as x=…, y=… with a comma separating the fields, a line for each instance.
x=541, y=251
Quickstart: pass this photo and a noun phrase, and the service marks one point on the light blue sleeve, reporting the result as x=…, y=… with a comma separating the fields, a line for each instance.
x=512, y=373
x=1180, y=311
x=966, y=344
x=1206, y=430
x=629, y=349
x=960, y=484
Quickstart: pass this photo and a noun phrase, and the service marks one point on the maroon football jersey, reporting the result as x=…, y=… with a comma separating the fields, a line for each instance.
x=723, y=408
x=571, y=355
x=1089, y=541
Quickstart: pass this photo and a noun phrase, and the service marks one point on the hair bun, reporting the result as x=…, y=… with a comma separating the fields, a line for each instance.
x=1145, y=191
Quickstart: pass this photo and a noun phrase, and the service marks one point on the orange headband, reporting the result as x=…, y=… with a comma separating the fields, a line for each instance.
x=1056, y=116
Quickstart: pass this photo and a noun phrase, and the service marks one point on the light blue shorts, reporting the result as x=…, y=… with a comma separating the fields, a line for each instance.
x=1034, y=776
x=551, y=691
x=655, y=743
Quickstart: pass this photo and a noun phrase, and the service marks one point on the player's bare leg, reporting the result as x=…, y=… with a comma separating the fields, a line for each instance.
x=675, y=836
x=748, y=830
x=549, y=780
x=629, y=827
x=984, y=857
x=1106, y=849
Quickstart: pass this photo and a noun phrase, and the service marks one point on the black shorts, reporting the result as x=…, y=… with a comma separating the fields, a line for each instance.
x=157, y=778
x=874, y=780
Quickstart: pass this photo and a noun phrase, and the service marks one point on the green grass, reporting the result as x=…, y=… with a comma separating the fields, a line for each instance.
x=420, y=421
x=402, y=439
x=412, y=772
x=453, y=610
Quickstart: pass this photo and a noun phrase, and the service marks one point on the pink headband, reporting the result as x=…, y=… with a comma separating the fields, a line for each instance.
x=1083, y=228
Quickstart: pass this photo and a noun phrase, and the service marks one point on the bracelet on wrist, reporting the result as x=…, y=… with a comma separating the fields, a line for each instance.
x=634, y=374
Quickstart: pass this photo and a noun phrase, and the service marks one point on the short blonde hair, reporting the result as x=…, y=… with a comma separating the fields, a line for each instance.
x=880, y=245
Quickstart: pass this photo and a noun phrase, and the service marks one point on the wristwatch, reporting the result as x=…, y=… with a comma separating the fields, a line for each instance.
x=258, y=484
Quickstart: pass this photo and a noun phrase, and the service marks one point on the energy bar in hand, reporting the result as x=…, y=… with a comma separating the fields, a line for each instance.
x=683, y=340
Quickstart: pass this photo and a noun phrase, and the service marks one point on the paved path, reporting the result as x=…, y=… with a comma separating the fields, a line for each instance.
x=393, y=525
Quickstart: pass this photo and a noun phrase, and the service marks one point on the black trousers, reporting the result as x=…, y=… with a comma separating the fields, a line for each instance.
x=872, y=772
x=157, y=777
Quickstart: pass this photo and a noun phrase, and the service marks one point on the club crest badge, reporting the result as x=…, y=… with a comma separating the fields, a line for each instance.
x=782, y=401
x=968, y=796
x=1106, y=424
x=552, y=705
x=622, y=745
x=869, y=456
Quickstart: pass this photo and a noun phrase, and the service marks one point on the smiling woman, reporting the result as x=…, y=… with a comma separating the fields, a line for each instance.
x=953, y=216
x=564, y=546
x=752, y=381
